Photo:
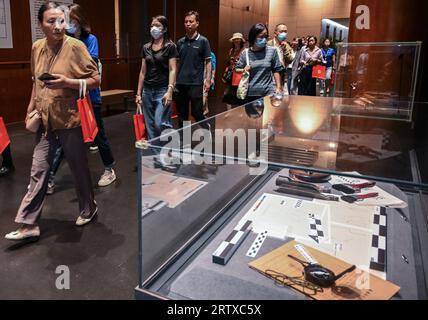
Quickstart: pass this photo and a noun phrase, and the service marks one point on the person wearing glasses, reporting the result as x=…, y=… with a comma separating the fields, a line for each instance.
x=264, y=65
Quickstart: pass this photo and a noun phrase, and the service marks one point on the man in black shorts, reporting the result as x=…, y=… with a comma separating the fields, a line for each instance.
x=192, y=80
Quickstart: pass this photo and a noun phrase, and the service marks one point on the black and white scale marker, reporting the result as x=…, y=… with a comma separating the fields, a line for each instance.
x=257, y=244
x=228, y=247
x=316, y=230
x=378, y=249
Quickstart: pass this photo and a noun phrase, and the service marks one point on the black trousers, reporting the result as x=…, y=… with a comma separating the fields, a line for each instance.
x=101, y=139
x=7, y=158
x=192, y=94
x=307, y=85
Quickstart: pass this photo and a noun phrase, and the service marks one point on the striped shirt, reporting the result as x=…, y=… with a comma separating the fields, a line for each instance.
x=263, y=64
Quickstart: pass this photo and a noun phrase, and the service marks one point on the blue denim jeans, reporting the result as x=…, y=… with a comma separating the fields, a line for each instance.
x=326, y=84
x=156, y=116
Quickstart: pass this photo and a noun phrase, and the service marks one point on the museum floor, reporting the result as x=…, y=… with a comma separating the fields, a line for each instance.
x=102, y=257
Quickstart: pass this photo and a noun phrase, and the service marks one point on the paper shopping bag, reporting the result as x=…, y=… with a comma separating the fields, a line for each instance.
x=4, y=137
x=139, y=126
x=174, y=110
x=236, y=78
x=319, y=72
x=87, y=117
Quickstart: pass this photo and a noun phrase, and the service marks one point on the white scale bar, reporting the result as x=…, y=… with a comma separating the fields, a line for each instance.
x=305, y=254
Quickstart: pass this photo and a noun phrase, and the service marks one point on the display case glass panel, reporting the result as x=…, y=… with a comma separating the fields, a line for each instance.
x=218, y=198
x=378, y=79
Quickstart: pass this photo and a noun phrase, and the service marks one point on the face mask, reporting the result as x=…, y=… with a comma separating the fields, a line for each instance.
x=282, y=36
x=261, y=43
x=156, y=32
x=72, y=28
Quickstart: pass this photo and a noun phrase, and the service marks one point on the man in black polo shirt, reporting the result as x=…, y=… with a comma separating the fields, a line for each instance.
x=194, y=57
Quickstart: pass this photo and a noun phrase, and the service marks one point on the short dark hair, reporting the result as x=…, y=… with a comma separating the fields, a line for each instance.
x=331, y=41
x=255, y=31
x=280, y=24
x=76, y=12
x=45, y=7
x=193, y=13
x=315, y=38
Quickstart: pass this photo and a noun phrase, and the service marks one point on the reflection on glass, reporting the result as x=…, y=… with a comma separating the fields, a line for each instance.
x=377, y=79
x=307, y=117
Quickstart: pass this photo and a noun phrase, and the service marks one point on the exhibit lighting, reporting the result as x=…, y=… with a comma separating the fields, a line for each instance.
x=307, y=118
x=335, y=24
x=311, y=3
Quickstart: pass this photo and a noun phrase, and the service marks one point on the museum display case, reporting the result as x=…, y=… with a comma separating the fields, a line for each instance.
x=378, y=79
x=283, y=198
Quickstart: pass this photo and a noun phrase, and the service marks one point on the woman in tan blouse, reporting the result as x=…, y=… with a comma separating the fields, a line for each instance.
x=67, y=60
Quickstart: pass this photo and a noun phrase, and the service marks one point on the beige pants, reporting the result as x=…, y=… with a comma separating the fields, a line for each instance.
x=75, y=152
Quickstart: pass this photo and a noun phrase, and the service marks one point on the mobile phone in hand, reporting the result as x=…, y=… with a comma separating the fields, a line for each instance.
x=46, y=77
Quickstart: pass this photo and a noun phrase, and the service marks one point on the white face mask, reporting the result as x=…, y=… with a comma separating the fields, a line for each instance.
x=156, y=32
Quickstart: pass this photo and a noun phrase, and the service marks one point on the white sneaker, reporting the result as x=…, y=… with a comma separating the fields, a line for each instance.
x=80, y=222
x=23, y=234
x=107, y=178
x=93, y=148
x=51, y=188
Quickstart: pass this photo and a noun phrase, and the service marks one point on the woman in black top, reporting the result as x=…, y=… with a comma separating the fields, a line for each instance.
x=157, y=79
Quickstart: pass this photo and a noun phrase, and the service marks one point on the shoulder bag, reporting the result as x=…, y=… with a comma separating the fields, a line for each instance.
x=244, y=84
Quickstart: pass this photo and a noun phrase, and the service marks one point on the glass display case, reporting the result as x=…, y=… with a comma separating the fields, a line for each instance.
x=377, y=79
x=243, y=205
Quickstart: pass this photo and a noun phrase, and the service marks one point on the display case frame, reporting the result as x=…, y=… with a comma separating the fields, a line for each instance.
x=382, y=81
x=162, y=268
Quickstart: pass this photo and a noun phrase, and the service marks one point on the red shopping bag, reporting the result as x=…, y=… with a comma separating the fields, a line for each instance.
x=174, y=110
x=4, y=137
x=236, y=78
x=319, y=72
x=333, y=76
x=87, y=117
x=139, y=126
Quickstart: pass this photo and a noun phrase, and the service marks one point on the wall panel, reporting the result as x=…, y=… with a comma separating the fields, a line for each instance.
x=303, y=17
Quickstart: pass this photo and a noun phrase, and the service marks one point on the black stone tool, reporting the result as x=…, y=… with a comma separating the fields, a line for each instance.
x=359, y=197
x=353, y=188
